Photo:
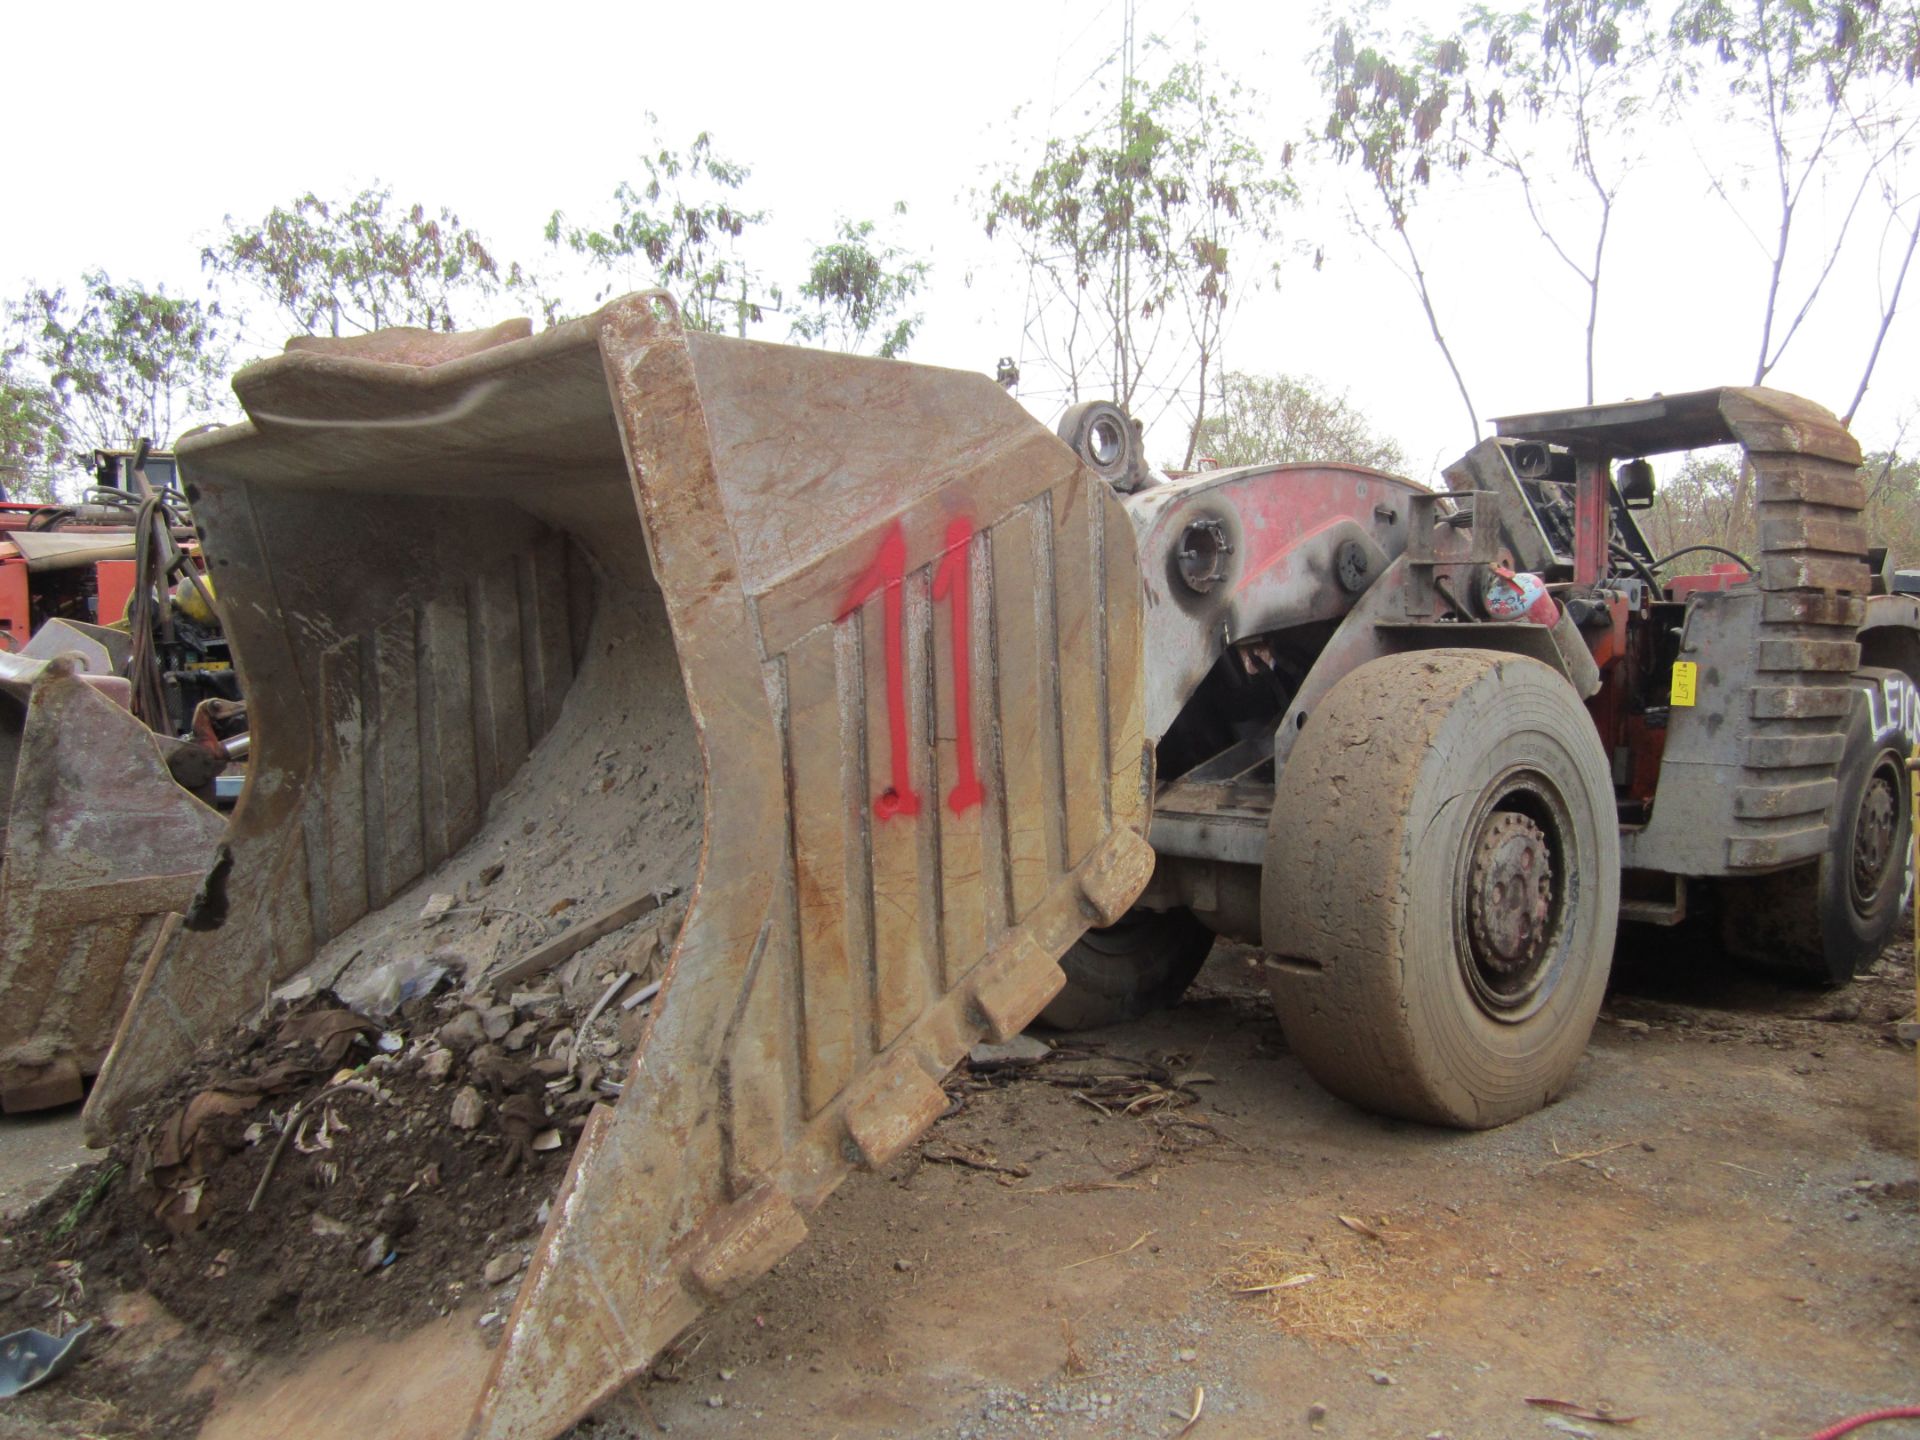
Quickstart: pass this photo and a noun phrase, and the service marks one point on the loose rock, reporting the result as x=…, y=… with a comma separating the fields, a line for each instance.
x=463, y=1032
x=468, y=1109
x=375, y=1255
x=1020, y=1050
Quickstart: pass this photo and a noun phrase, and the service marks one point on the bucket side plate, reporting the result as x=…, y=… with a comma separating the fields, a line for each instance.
x=917, y=679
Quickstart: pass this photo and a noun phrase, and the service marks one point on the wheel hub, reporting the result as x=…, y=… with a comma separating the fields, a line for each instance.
x=1873, y=836
x=1509, y=902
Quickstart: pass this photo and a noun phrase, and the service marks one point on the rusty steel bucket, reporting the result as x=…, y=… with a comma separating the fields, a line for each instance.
x=890, y=622
x=99, y=845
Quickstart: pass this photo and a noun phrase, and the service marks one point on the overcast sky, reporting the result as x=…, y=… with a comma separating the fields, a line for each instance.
x=136, y=128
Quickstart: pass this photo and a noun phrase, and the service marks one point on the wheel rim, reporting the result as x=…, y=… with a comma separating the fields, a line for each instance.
x=1876, y=834
x=1512, y=896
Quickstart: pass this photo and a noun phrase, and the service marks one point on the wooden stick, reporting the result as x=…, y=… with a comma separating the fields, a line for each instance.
x=1290, y=1283
x=1124, y=1250
x=573, y=940
x=294, y=1117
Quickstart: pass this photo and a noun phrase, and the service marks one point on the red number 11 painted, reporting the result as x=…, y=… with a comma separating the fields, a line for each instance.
x=951, y=584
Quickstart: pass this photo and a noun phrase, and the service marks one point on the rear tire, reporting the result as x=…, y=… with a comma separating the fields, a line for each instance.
x=1442, y=887
x=1143, y=962
x=1824, y=923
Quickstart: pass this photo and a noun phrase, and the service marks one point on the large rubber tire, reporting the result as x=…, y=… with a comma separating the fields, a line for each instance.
x=1142, y=963
x=1421, y=782
x=1824, y=923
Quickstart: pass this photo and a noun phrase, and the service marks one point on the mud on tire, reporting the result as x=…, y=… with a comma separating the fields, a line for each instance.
x=1442, y=887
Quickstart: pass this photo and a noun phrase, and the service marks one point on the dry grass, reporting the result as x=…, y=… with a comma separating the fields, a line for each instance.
x=1347, y=1290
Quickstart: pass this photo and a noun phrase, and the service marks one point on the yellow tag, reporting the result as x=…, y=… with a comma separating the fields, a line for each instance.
x=1685, y=676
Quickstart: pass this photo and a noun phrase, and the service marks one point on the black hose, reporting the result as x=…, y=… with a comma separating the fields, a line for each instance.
x=1734, y=555
x=1621, y=552
x=143, y=667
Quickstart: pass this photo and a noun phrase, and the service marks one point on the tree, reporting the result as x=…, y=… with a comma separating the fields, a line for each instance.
x=859, y=285
x=1827, y=83
x=1530, y=93
x=34, y=441
x=1703, y=503
x=123, y=362
x=1574, y=76
x=336, y=267
x=1284, y=418
x=1709, y=501
x=1128, y=231
x=1892, y=516
x=679, y=228
x=1390, y=117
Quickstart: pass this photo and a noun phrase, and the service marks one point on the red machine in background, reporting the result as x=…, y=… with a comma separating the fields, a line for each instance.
x=82, y=562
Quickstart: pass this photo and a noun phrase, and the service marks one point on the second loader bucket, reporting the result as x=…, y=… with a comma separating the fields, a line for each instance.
x=98, y=846
x=870, y=635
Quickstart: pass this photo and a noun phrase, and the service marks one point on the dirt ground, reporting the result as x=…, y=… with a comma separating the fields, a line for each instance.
x=1716, y=1231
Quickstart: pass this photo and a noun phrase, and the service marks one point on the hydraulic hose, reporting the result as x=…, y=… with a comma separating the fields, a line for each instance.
x=1733, y=555
x=1872, y=1417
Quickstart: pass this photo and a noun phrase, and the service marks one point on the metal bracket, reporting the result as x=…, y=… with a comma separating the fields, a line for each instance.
x=1480, y=513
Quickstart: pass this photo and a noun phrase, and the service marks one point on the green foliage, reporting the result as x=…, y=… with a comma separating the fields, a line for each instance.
x=679, y=228
x=1401, y=118
x=1442, y=101
x=859, y=285
x=123, y=362
x=342, y=266
x=1795, y=55
x=1892, y=516
x=1530, y=95
x=1702, y=503
x=1705, y=502
x=96, y=1187
x=1281, y=418
x=1132, y=229
x=34, y=441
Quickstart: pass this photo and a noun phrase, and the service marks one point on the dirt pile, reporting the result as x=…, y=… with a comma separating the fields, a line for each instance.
x=328, y=1168
x=607, y=808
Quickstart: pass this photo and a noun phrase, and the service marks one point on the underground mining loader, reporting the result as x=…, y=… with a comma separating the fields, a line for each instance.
x=1425, y=749
x=934, y=677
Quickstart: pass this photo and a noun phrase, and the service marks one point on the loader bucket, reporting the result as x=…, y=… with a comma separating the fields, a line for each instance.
x=880, y=625
x=100, y=845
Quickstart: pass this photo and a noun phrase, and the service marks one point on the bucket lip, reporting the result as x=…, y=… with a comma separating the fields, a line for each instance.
x=259, y=379
x=330, y=390
x=324, y=418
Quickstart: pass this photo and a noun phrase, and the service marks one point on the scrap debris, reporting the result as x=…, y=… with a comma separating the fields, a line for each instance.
x=33, y=1357
x=1601, y=1413
x=397, y=1142
x=1361, y=1228
x=1584, y=1157
x=972, y=1159
x=1113, y=1254
x=1193, y=1417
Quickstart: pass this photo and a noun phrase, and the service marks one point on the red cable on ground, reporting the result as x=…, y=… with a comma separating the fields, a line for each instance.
x=1872, y=1417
